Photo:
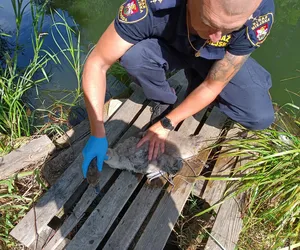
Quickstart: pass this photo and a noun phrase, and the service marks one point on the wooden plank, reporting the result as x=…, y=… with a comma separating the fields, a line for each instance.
x=84, y=231
x=63, y=244
x=33, y=153
x=120, y=199
x=166, y=214
x=227, y=226
x=126, y=230
x=54, y=168
x=114, y=105
x=214, y=189
x=114, y=87
x=228, y=223
x=42, y=238
x=79, y=210
x=178, y=79
x=87, y=197
x=39, y=216
x=100, y=220
x=191, y=124
x=134, y=217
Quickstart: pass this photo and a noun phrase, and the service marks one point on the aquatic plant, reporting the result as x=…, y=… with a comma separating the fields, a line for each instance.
x=15, y=82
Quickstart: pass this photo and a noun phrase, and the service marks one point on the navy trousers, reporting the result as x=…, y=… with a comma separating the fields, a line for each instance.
x=245, y=99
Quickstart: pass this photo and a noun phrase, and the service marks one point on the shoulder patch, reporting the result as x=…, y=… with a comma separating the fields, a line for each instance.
x=259, y=28
x=133, y=11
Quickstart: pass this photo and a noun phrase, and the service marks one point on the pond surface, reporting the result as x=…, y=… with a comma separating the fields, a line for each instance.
x=280, y=54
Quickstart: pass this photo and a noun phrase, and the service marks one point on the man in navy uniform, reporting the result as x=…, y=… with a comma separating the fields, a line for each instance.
x=210, y=39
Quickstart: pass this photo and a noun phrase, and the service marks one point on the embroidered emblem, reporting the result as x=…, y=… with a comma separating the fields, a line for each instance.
x=130, y=8
x=262, y=32
x=224, y=41
x=259, y=28
x=133, y=11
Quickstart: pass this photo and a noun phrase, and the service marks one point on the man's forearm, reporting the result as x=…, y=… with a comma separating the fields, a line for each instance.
x=195, y=102
x=94, y=88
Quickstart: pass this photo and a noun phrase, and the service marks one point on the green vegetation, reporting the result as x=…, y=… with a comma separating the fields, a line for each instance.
x=14, y=82
x=17, y=195
x=270, y=178
x=18, y=120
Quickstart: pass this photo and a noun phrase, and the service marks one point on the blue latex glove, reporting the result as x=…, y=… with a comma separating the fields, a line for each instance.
x=95, y=147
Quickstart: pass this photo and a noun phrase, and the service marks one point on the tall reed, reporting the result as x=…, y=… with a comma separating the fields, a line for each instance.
x=271, y=180
x=15, y=82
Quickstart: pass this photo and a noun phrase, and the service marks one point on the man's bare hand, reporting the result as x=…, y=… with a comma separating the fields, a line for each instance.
x=156, y=135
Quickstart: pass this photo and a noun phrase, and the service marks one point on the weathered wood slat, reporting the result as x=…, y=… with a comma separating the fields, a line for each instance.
x=134, y=217
x=100, y=220
x=166, y=214
x=178, y=79
x=229, y=223
x=42, y=238
x=227, y=226
x=88, y=197
x=33, y=153
x=54, y=168
x=39, y=216
x=79, y=210
x=95, y=218
x=83, y=232
x=126, y=230
x=214, y=189
x=63, y=244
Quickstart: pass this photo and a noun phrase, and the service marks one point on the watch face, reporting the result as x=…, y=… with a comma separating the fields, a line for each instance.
x=166, y=123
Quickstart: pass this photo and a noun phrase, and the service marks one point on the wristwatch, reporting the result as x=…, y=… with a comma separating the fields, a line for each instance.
x=166, y=123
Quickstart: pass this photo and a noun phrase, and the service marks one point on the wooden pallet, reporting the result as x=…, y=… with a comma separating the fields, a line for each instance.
x=129, y=212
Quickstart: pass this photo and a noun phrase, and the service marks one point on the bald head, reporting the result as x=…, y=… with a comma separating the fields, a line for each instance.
x=213, y=18
x=236, y=7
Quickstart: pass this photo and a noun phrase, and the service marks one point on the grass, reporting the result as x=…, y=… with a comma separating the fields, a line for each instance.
x=271, y=180
x=18, y=119
x=17, y=194
x=120, y=73
x=15, y=120
x=191, y=232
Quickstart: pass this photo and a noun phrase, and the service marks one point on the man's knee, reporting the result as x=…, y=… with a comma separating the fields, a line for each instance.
x=259, y=121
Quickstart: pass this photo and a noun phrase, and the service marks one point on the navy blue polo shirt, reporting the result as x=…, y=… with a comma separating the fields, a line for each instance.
x=166, y=20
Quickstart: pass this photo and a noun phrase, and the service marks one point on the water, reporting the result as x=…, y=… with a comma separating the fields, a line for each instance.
x=280, y=54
